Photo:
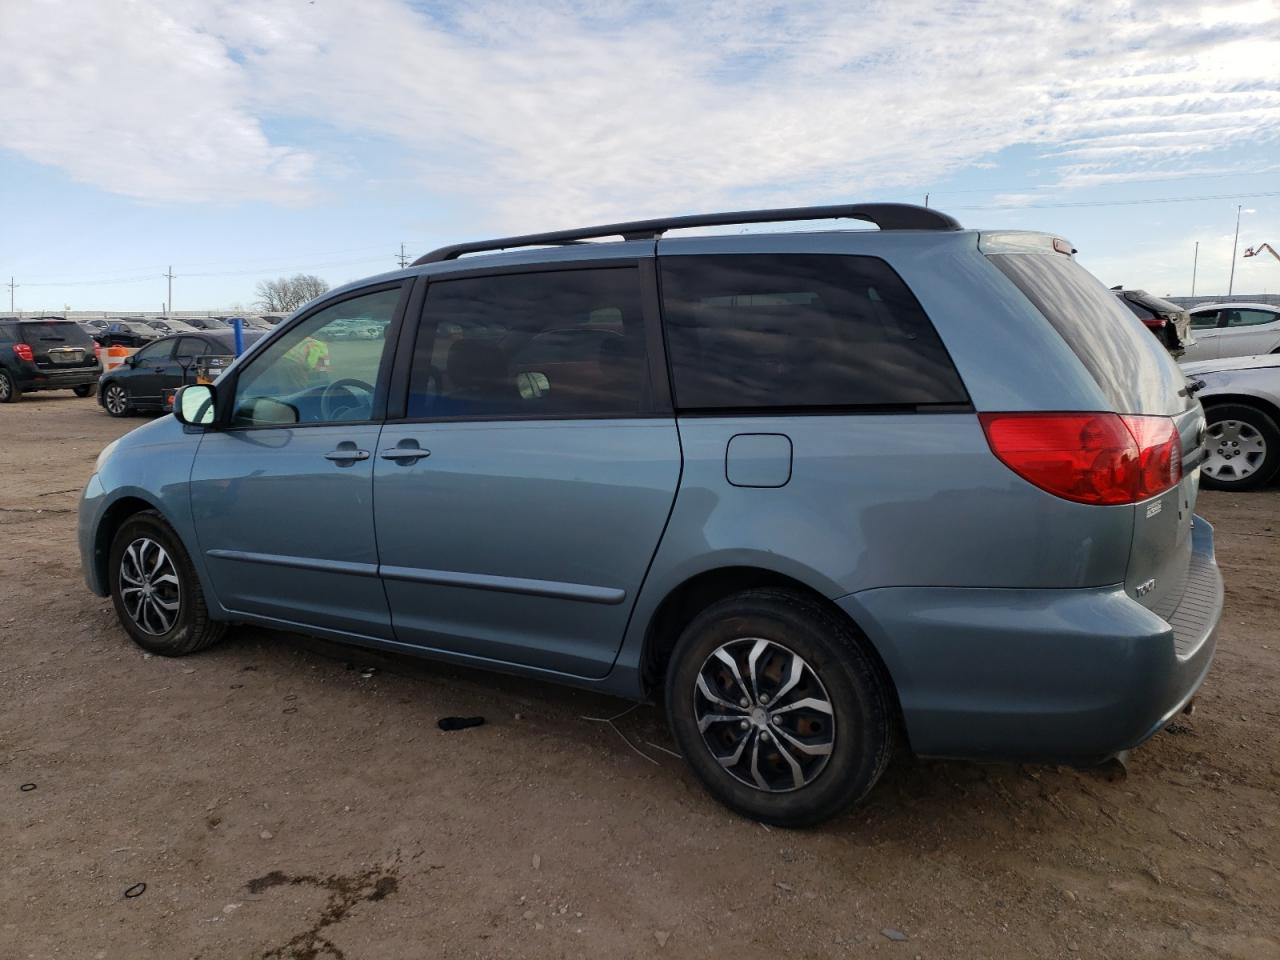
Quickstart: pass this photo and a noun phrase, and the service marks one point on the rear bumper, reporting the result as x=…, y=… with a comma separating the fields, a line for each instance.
x=1070, y=675
x=36, y=378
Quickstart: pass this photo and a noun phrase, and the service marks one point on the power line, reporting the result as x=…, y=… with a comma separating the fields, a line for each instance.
x=1120, y=203
x=1265, y=171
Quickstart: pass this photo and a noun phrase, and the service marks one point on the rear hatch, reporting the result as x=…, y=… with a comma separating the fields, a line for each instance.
x=57, y=344
x=1137, y=376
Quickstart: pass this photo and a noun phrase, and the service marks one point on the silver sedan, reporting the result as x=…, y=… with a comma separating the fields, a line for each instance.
x=1241, y=398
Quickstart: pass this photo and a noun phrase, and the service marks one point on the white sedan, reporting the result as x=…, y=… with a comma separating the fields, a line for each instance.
x=1233, y=330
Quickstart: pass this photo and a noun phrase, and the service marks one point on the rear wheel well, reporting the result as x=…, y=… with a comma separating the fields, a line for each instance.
x=697, y=593
x=1270, y=409
x=111, y=521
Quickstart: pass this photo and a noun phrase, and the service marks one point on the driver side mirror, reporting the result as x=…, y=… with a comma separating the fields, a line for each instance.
x=194, y=404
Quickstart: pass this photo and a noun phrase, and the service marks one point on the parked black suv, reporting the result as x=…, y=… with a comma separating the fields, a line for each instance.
x=46, y=354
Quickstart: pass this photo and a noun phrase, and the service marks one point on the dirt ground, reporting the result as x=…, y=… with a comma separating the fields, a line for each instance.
x=278, y=800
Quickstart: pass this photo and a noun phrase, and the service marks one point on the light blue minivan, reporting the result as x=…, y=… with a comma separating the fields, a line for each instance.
x=820, y=491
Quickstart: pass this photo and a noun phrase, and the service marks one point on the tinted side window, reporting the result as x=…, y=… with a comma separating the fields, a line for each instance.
x=154, y=352
x=1248, y=318
x=799, y=330
x=192, y=347
x=1204, y=321
x=565, y=343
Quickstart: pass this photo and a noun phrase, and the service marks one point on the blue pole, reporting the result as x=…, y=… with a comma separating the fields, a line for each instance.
x=237, y=324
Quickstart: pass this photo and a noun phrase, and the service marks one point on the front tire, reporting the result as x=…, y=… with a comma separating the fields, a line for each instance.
x=115, y=400
x=778, y=707
x=1244, y=448
x=156, y=592
x=85, y=390
x=10, y=392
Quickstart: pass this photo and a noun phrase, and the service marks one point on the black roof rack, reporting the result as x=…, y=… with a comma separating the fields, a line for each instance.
x=886, y=216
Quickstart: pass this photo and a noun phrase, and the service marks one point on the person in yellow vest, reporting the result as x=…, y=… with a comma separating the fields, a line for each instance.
x=310, y=361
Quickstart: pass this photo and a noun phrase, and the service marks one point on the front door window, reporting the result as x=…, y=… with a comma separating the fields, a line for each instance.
x=324, y=370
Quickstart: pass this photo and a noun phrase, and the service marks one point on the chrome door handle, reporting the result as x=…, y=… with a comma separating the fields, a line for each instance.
x=348, y=453
x=404, y=453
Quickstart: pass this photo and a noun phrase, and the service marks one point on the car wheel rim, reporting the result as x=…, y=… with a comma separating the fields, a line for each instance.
x=4, y=387
x=149, y=587
x=1236, y=450
x=116, y=400
x=764, y=715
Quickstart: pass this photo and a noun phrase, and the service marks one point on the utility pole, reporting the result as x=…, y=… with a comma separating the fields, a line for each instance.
x=11, y=285
x=169, y=308
x=1195, y=261
x=1232, y=282
x=404, y=261
x=926, y=199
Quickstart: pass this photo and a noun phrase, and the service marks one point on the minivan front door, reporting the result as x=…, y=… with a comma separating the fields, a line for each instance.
x=520, y=501
x=282, y=496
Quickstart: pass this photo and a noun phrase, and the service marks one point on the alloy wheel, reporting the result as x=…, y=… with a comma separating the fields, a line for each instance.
x=6, y=387
x=149, y=587
x=764, y=714
x=1236, y=450
x=115, y=399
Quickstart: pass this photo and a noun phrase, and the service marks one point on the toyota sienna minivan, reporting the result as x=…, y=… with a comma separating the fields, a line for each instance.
x=821, y=492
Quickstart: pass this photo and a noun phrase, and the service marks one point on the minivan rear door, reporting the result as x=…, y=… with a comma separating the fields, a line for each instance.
x=520, y=498
x=1137, y=376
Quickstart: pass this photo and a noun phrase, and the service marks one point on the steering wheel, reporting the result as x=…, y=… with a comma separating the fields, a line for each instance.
x=336, y=398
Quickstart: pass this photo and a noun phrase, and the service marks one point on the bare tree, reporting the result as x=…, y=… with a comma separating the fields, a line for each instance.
x=306, y=286
x=286, y=294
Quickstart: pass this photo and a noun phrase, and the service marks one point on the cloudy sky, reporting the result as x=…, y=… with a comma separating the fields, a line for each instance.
x=237, y=140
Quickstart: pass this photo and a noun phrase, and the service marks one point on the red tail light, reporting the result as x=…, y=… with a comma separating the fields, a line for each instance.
x=1099, y=458
x=1159, y=453
x=23, y=351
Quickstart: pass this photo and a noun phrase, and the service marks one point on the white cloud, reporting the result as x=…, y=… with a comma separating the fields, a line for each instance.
x=565, y=111
x=134, y=98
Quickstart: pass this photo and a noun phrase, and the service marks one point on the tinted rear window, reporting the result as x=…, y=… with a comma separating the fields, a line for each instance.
x=799, y=330
x=1135, y=372
x=54, y=333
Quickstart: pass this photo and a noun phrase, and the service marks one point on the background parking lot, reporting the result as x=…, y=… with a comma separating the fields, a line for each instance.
x=284, y=797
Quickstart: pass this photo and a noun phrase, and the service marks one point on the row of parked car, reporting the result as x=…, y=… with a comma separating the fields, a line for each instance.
x=139, y=331
x=1231, y=352
x=54, y=353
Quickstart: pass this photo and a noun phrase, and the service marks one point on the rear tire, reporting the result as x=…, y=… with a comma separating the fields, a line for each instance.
x=833, y=715
x=1244, y=448
x=115, y=400
x=156, y=592
x=85, y=390
x=10, y=392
